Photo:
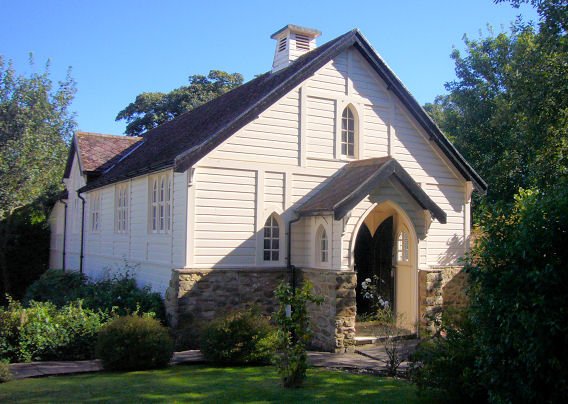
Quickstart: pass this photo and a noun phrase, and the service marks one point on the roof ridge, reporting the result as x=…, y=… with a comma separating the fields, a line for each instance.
x=95, y=134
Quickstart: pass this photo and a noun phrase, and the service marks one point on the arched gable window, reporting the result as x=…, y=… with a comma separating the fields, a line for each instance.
x=322, y=246
x=348, y=132
x=271, y=250
x=403, y=246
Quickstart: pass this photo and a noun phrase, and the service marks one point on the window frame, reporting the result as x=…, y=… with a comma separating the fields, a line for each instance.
x=403, y=246
x=122, y=208
x=322, y=246
x=160, y=204
x=95, y=202
x=274, y=226
x=348, y=133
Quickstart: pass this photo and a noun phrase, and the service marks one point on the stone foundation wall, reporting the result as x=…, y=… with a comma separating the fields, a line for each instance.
x=440, y=288
x=196, y=296
x=333, y=322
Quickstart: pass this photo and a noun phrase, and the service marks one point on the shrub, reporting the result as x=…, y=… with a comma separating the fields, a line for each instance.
x=511, y=345
x=446, y=364
x=57, y=287
x=121, y=294
x=5, y=374
x=243, y=336
x=134, y=343
x=118, y=293
x=44, y=332
x=518, y=299
x=293, y=333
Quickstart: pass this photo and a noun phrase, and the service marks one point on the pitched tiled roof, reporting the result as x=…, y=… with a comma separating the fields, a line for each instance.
x=183, y=141
x=358, y=179
x=98, y=152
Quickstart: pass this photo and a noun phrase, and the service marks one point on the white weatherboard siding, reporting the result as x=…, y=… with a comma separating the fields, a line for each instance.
x=299, y=138
x=225, y=214
x=272, y=165
x=151, y=256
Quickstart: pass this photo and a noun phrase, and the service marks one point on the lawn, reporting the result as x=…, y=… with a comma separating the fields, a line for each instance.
x=200, y=383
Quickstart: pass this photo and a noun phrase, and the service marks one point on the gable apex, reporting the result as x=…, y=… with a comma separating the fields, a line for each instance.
x=186, y=139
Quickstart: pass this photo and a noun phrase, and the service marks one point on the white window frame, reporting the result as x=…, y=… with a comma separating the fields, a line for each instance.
x=160, y=215
x=95, y=212
x=403, y=246
x=271, y=233
x=348, y=132
x=322, y=246
x=121, y=208
x=357, y=110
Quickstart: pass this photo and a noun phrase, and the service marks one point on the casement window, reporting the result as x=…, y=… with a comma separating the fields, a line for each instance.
x=160, y=203
x=271, y=252
x=121, y=208
x=348, y=133
x=95, y=212
x=403, y=246
x=322, y=247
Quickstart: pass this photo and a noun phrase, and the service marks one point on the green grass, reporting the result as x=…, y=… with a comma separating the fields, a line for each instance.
x=199, y=383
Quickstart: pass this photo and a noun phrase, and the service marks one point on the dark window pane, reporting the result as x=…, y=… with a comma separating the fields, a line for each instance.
x=267, y=255
x=267, y=232
x=275, y=256
x=344, y=149
x=267, y=244
x=275, y=244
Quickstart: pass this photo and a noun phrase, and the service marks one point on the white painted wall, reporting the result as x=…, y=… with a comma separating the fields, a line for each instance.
x=298, y=140
x=271, y=165
x=151, y=256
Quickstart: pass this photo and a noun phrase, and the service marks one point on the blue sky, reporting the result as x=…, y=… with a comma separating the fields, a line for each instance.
x=118, y=49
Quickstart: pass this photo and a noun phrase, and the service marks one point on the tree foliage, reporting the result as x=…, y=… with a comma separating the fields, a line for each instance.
x=507, y=112
x=519, y=298
x=35, y=128
x=152, y=109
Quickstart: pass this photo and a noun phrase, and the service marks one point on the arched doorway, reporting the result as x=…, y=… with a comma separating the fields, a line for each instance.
x=385, y=246
x=373, y=260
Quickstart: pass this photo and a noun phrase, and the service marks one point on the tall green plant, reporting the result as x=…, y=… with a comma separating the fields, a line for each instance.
x=35, y=128
x=519, y=295
x=294, y=333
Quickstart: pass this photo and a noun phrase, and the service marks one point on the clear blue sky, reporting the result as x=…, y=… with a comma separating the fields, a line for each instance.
x=118, y=49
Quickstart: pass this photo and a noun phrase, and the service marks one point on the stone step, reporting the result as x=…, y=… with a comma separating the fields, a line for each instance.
x=366, y=340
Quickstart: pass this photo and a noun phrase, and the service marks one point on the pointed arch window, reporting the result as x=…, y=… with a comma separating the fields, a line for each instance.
x=348, y=132
x=403, y=246
x=322, y=246
x=271, y=250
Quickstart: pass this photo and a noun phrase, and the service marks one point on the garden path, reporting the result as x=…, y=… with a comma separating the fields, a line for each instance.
x=366, y=358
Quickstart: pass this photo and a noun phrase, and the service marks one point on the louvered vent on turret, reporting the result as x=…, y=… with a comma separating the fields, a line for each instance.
x=292, y=41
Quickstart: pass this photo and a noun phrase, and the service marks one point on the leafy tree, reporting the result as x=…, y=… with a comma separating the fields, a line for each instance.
x=519, y=298
x=152, y=109
x=507, y=112
x=35, y=128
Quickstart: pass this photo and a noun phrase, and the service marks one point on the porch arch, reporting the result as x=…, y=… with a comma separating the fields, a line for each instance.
x=405, y=273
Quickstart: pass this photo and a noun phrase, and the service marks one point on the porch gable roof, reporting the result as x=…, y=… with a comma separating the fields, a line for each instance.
x=356, y=180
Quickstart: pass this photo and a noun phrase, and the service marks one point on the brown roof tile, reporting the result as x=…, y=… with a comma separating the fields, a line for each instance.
x=183, y=141
x=358, y=179
x=99, y=152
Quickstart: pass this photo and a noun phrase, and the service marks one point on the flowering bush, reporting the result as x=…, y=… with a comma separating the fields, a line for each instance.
x=370, y=289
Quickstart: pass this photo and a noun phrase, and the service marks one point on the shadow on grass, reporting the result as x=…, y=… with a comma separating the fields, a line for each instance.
x=200, y=383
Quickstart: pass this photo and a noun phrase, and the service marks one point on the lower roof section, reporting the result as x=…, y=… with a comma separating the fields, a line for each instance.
x=352, y=183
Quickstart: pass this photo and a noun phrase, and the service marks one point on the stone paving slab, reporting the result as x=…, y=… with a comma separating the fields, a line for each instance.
x=51, y=368
x=369, y=357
